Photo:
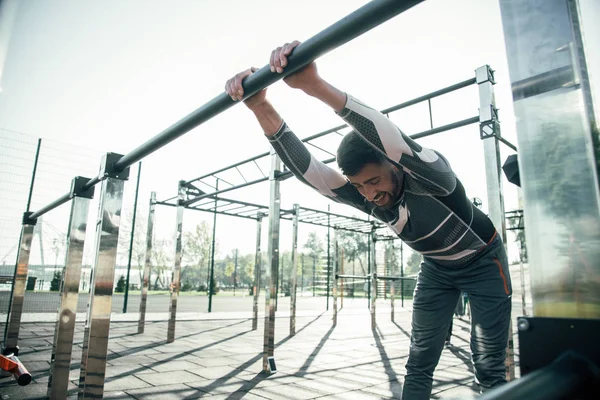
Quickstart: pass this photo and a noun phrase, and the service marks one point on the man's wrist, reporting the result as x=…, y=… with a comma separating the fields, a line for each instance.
x=315, y=89
x=260, y=108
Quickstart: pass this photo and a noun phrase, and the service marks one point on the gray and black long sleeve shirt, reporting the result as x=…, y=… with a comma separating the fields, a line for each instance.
x=433, y=216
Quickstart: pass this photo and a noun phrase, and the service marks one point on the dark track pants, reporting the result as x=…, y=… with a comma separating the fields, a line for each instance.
x=487, y=282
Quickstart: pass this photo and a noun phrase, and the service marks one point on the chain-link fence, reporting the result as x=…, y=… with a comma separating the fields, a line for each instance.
x=45, y=168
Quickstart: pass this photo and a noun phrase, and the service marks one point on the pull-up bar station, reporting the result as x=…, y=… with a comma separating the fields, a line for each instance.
x=114, y=171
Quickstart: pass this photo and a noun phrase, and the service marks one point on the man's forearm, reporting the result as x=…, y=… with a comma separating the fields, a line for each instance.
x=328, y=94
x=268, y=118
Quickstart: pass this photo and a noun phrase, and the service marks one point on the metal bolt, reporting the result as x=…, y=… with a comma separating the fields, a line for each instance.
x=523, y=324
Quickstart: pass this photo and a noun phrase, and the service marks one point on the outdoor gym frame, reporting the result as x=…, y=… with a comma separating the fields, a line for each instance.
x=114, y=171
x=192, y=197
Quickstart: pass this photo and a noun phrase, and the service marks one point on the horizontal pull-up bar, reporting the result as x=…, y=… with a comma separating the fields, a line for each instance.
x=56, y=203
x=355, y=24
x=396, y=278
x=365, y=277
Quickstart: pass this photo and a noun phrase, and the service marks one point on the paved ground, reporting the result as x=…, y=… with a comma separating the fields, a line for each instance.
x=218, y=356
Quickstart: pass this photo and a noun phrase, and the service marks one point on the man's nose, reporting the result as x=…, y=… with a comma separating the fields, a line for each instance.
x=370, y=194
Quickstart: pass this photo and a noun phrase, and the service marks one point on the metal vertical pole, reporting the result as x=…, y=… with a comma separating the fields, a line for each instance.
x=342, y=281
x=235, y=271
x=374, y=301
x=13, y=318
x=32, y=185
x=148, y=263
x=335, y=274
x=386, y=270
x=402, y=273
x=328, y=254
x=257, y=272
x=393, y=283
x=373, y=279
x=294, y=282
x=302, y=273
x=12, y=289
x=314, y=273
x=369, y=269
x=176, y=274
x=93, y=358
x=131, y=237
x=60, y=361
x=489, y=128
x=273, y=250
x=211, y=276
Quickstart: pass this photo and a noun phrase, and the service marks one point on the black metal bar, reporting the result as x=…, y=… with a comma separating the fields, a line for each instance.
x=355, y=24
x=545, y=82
x=431, y=95
x=570, y=376
x=402, y=273
x=56, y=203
x=454, y=125
x=137, y=189
x=509, y=144
x=93, y=182
x=365, y=277
x=396, y=278
x=430, y=114
x=35, y=164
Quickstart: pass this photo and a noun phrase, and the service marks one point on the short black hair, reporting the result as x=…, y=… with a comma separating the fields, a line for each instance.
x=354, y=153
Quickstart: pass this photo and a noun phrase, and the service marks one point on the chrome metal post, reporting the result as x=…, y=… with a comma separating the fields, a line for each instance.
x=273, y=251
x=490, y=132
x=176, y=274
x=294, y=282
x=148, y=263
x=257, y=272
x=373, y=280
x=60, y=361
x=93, y=358
x=392, y=284
x=335, y=275
x=13, y=319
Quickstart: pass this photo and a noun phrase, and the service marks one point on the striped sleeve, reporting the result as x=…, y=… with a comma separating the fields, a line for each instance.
x=314, y=173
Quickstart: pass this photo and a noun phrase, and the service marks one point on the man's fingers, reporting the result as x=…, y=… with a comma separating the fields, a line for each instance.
x=276, y=59
x=272, y=60
x=234, y=88
x=290, y=46
x=229, y=90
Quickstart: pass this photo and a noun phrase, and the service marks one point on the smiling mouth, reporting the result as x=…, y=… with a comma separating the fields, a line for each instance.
x=380, y=198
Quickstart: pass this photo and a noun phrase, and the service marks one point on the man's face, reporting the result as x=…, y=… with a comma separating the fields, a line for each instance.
x=378, y=183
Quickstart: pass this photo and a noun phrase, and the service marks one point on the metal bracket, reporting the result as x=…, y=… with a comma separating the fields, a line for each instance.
x=543, y=340
x=108, y=170
x=27, y=220
x=489, y=129
x=78, y=190
x=485, y=74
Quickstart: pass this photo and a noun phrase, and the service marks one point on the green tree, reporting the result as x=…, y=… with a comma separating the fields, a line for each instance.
x=392, y=261
x=162, y=261
x=196, y=253
x=355, y=247
x=314, y=248
x=138, y=250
